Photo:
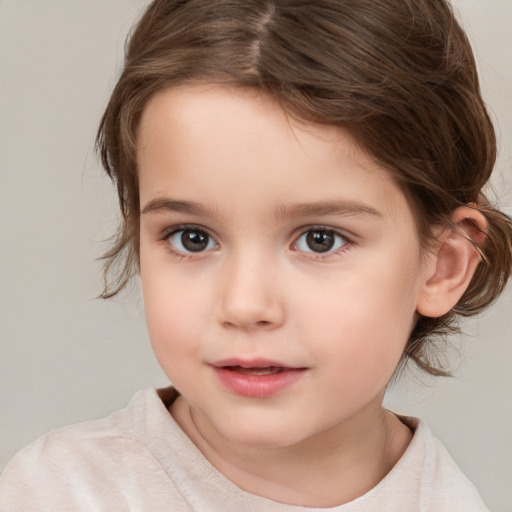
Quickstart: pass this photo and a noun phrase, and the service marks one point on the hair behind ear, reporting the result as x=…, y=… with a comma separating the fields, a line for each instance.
x=492, y=274
x=489, y=279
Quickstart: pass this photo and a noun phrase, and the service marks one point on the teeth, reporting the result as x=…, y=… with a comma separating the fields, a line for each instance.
x=270, y=370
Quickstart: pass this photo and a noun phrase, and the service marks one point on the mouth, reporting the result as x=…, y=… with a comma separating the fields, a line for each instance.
x=256, y=378
x=269, y=370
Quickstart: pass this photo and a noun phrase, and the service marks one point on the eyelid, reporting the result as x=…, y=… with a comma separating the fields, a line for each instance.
x=172, y=230
x=349, y=239
x=349, y=242
x=324, y=227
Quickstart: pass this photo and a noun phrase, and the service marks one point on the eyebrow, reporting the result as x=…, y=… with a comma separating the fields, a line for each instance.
x=323, y=208
x=316, y=209
x=162, y=204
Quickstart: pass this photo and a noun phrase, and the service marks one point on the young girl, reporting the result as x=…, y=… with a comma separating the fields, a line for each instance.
x=301, y=191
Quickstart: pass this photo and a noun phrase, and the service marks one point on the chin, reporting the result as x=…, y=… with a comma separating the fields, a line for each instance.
x=263, y=434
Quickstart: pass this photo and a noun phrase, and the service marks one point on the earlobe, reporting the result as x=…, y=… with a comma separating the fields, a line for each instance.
x=453, y=262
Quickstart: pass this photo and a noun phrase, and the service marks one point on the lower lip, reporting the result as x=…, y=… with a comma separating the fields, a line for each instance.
x=258, y=386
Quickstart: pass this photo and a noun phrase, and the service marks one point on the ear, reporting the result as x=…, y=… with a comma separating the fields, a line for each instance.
x=453, y=262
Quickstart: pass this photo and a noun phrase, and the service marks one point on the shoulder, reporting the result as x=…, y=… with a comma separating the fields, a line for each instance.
x=100, y=459
x=75, y=446
x=443, y=486
x=78, y=444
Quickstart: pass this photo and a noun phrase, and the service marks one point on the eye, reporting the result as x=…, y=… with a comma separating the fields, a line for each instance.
x=191, y=240
x=320, y=240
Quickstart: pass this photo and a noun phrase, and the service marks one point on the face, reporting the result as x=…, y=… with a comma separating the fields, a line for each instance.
x=280, y=266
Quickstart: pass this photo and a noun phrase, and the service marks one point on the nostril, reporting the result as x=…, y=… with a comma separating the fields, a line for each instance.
x=250, y=312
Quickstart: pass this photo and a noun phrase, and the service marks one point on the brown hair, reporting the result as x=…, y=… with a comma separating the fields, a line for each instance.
x=400, y=74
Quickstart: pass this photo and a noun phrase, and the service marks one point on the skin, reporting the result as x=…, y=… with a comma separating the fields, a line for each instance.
x=259, y=291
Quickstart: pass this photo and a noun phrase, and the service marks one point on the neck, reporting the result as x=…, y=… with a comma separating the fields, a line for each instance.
x=331, y=468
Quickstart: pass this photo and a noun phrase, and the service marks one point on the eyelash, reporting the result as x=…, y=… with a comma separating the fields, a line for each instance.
x=168, y=233
x=317, y=256
x=324, y=256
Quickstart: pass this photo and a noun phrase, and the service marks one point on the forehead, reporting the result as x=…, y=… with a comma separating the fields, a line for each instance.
x=199, y=139
x=244, y=111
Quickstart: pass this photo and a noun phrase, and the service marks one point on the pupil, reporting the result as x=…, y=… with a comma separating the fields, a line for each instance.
x=194, y=241
x=320, y=241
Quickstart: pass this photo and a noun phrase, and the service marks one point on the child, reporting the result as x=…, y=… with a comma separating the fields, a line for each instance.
x=301, y=190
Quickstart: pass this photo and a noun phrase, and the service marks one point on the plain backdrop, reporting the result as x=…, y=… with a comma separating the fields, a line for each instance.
x=66, y=356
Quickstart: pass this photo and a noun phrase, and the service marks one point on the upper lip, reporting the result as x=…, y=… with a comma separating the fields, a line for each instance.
x=249, y=363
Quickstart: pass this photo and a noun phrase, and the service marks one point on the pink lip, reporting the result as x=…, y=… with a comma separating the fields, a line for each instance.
x=254, y=385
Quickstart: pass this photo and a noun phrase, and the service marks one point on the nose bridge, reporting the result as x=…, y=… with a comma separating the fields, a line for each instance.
x=250, y=291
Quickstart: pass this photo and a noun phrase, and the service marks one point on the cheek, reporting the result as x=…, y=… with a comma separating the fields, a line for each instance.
x=362, y=318
x=173, y=312
x=174, y=331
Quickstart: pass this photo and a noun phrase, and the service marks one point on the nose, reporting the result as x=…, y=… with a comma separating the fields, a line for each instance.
x=250, y=297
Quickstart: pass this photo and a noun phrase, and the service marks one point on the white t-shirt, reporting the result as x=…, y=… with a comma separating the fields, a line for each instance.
x=138, y=459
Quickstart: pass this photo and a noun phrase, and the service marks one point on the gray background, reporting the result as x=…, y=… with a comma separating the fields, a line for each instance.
x=66, y=357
